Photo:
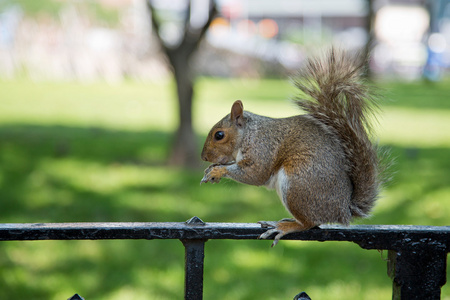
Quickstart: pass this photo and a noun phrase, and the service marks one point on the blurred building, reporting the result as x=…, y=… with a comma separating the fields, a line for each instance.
x=248, y=37
x=280, y=35
x=75, y=45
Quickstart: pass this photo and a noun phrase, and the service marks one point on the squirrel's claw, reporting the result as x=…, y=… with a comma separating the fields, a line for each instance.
x=273, y=230
x=206, y=179
x=281, y=228
x=213, y=173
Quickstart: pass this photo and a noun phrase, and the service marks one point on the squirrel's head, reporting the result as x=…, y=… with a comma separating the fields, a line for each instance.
x=221, y=145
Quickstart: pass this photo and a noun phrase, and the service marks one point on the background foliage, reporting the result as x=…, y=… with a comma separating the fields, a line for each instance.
x=74, y=152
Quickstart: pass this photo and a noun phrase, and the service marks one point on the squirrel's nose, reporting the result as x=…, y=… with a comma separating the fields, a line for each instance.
x=204, y=156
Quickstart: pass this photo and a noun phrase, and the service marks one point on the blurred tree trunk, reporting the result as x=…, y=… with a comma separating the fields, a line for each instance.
x=184, y=149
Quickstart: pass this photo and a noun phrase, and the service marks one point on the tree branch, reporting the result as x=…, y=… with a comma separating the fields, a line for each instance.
x=156, y=26
x=193, y=37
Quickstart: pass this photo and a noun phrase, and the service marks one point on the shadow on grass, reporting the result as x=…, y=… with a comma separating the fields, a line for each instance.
x=91, y=143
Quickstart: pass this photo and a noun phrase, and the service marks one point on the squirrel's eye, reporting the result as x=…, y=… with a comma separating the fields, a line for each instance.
x=219, y=135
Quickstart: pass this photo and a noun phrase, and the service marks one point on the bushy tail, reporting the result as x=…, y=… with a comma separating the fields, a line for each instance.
x=334, y=92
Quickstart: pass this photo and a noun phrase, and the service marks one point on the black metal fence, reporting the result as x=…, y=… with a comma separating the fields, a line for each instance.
x=417, y=255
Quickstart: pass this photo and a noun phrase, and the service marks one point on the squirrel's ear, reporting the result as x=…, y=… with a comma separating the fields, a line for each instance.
x=237, y=113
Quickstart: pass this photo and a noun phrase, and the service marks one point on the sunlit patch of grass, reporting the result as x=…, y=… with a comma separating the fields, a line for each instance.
x=413, y=127
x=132, y=106
x=106, y=179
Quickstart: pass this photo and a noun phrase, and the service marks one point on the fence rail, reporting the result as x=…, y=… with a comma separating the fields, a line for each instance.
x=417, y=255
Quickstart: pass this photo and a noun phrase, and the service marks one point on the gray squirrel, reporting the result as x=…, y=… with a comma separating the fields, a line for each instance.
x=322, y=164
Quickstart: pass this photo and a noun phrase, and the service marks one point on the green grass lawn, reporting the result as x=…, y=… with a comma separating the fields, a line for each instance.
x=73, y=152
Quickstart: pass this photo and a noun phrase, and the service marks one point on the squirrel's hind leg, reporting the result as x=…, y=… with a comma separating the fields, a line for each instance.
x=282, y=227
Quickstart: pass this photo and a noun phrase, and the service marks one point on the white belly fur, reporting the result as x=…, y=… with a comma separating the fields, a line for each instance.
x=279, y=181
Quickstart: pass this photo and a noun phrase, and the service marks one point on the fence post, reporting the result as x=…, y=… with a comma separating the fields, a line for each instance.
x=193, y=274
x=418, y=272
x=194, y=263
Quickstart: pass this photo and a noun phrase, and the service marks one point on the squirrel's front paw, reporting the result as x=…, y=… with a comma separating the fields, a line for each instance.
x=214, y=173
